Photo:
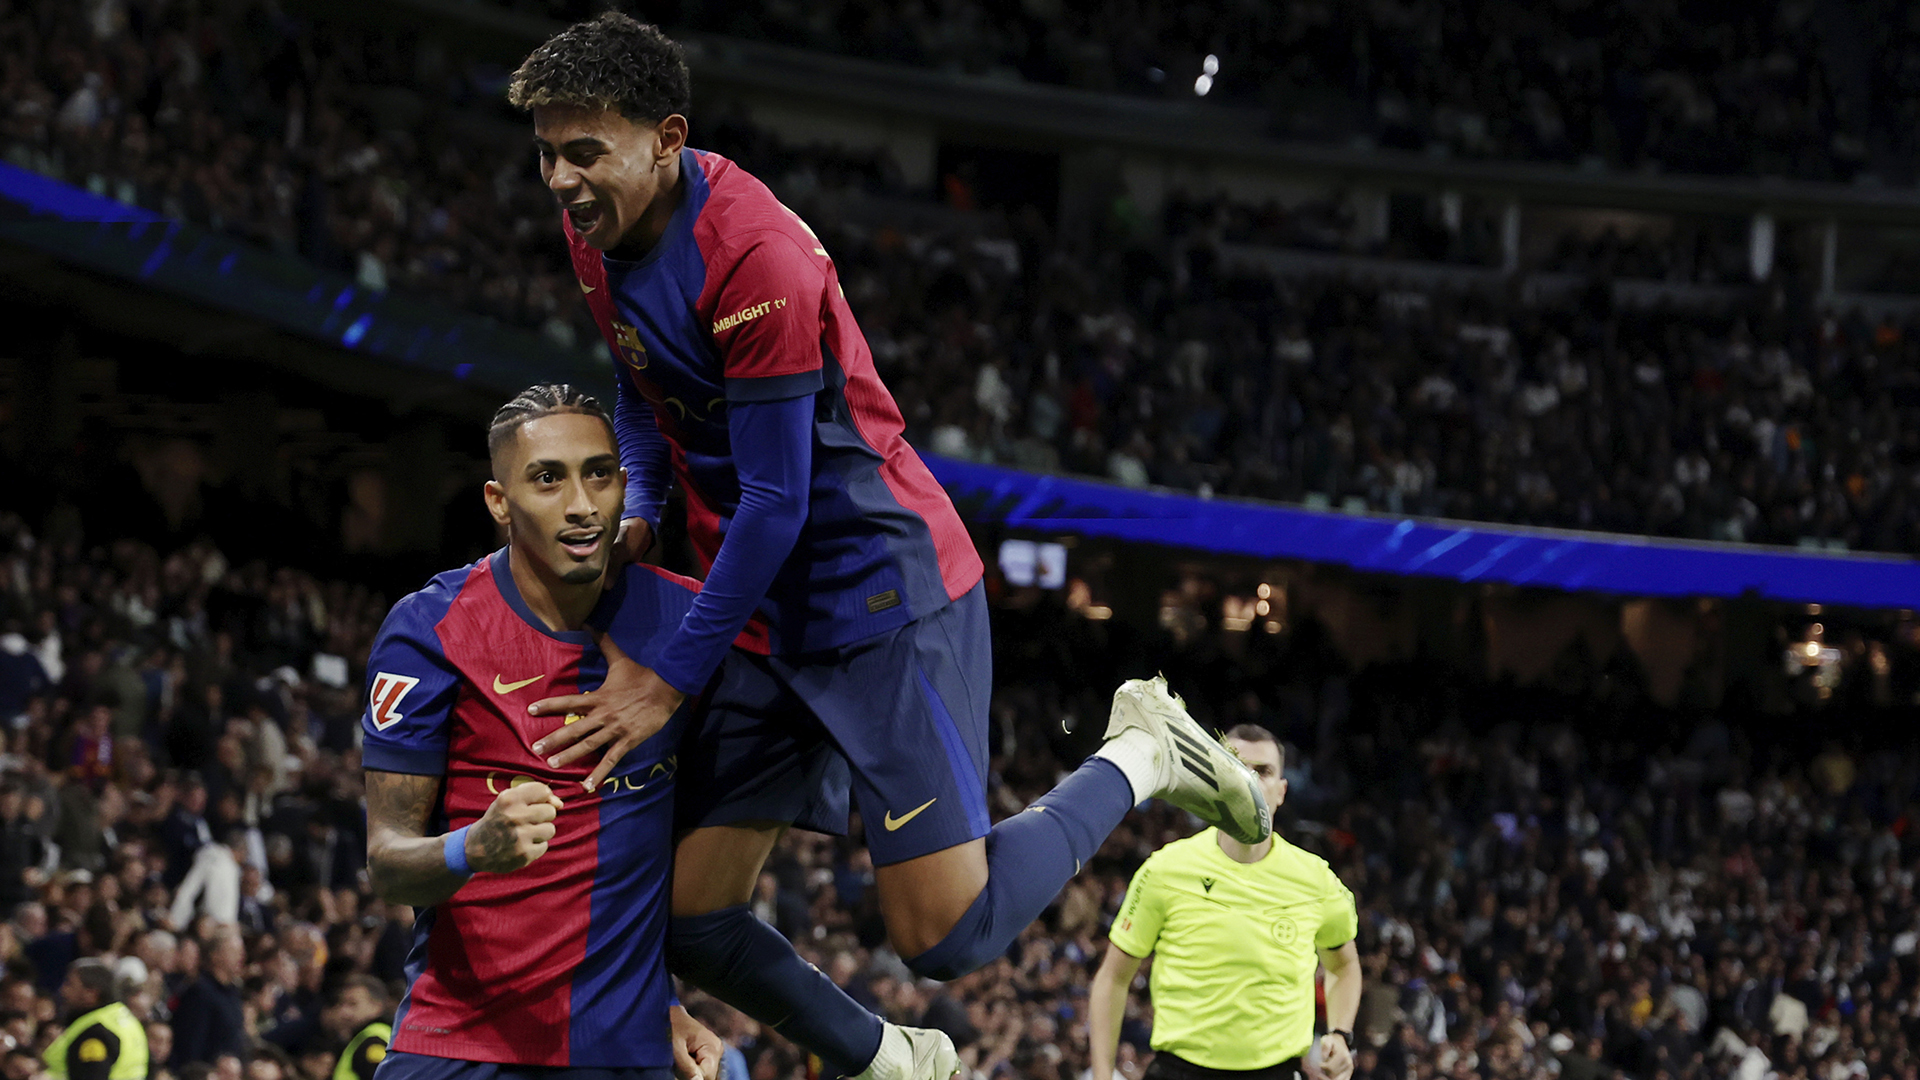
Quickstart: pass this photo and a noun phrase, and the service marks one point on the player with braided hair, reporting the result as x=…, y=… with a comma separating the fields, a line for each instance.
x=539, y=948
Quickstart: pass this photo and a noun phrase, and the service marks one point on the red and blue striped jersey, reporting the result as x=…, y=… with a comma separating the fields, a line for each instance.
x=561, y=963
x=739, y=303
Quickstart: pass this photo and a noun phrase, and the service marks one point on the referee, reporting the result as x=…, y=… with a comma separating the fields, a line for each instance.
x=1237, y=928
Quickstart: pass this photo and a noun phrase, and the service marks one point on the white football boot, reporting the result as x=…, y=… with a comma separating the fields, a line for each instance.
x=908, y=1053
x=1197, y=772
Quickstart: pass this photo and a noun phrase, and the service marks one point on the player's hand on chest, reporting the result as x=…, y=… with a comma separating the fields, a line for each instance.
x=496, y=751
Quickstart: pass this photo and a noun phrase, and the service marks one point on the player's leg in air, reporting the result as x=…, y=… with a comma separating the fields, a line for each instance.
x=909, y=710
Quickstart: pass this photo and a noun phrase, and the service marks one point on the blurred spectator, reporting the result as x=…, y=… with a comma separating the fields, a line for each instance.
x=185, y=830
x=208, y=1021
x=102, y=1039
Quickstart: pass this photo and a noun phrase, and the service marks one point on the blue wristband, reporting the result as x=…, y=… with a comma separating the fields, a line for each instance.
x=453, y=848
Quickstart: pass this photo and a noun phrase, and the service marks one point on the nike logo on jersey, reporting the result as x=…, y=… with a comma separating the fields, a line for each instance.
x=383, y=700
x=893, y=823
x=509, y=687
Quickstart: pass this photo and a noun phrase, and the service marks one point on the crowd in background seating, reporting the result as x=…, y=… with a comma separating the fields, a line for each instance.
x=1770, y=88
x=1551, y=883
x=180, y=794
x=1142, y=355
x=1761, y=422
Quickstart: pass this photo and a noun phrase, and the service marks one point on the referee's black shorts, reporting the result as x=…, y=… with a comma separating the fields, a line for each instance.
x=1169, y=1066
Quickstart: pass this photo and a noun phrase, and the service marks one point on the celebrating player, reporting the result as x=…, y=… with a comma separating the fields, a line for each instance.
x=1236, y=927
x=544, y=945
x=744, y=374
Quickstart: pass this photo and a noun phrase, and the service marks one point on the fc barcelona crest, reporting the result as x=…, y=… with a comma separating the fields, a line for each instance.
x=627, y=343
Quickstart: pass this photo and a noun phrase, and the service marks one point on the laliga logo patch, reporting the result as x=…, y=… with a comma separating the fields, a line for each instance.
x=383, y=701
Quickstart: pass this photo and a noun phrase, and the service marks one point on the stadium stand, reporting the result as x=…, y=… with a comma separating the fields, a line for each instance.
x=312, y=138
x=1684, y=896
x=1153, y=358
x=1757, y=89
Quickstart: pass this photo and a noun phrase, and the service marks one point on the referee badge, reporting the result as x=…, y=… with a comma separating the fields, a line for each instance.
x=1285, y=931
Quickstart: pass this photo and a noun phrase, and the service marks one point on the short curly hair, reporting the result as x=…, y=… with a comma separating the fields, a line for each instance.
x=613, y=61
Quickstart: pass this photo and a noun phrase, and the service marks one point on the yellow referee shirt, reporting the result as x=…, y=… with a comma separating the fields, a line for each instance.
x=1232, y=980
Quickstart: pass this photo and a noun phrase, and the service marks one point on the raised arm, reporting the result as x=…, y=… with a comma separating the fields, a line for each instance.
x=1107, y=1008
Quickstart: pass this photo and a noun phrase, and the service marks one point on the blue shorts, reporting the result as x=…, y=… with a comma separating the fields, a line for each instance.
x=398, y=1065
x=898, y=721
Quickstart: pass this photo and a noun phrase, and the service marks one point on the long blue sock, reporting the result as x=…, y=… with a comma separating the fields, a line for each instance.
x=1030, y=856
x=747, y=964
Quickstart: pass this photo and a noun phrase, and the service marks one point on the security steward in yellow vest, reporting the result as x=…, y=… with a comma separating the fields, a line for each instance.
x=104, y=1040
x=361, y=1006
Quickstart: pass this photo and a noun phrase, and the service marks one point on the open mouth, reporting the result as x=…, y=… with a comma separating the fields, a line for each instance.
x=584, y=215
x=582, y=545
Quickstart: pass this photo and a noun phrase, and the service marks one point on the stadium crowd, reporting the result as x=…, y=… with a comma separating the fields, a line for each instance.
x=1150, y=358
x=368, y=151
x=180, y=796
x=1681, y=87
x=1762, y=423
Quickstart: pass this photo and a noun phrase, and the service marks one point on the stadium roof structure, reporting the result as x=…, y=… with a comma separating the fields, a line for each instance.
x=1468, y=552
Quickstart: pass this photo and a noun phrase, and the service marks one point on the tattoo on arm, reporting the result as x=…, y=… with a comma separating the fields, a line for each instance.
x=490, y=842
x=406, y=865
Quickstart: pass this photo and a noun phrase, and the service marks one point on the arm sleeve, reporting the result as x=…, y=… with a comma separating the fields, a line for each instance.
x=411, y=688
x=1137, y=928
x=188, y=897
x=1339, y=920
x=644, y=452
x=91, y=1056
x=767, y=320
x=773, y=455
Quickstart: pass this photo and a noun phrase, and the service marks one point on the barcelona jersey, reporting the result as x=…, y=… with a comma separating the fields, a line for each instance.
x=560, y=963
x=739, y=303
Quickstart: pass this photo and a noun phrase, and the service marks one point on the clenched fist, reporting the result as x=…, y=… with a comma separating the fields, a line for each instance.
x=515, y=829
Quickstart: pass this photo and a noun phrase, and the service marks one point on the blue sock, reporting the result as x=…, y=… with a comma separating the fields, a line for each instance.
x=1030, y=856
x=747, y=964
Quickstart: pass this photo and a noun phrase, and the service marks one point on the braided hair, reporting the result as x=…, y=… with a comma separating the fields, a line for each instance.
x=544, y=399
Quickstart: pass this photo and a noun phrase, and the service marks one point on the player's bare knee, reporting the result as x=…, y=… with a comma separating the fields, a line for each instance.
x=720, y=866
x=923, y=899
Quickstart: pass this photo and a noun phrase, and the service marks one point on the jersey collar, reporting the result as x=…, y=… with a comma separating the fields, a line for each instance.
x=510, y=592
